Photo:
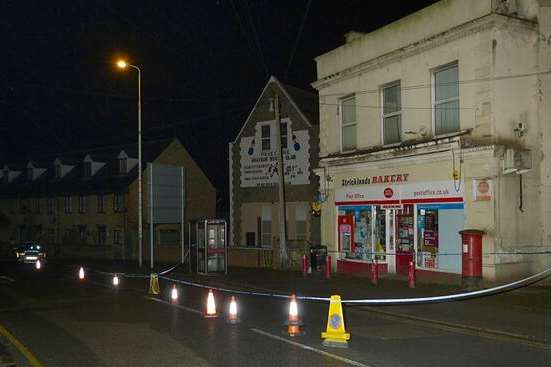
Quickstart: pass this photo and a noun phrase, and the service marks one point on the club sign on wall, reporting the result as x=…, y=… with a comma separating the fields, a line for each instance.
x=258, y=156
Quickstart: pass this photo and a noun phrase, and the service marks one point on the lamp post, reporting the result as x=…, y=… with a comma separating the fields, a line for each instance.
x=123, y=65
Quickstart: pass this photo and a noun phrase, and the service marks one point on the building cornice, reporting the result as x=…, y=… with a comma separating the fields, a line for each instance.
x=474, y=26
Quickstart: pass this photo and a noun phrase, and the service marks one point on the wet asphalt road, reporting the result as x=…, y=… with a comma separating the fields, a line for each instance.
x=64, y=322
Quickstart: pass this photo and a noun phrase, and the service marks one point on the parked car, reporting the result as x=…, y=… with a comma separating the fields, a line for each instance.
x=30, y=252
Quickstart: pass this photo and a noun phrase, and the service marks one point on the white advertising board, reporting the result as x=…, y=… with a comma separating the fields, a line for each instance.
x=259, y=167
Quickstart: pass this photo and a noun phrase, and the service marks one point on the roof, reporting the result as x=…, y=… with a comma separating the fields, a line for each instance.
x=304, y=102
x=106, y=180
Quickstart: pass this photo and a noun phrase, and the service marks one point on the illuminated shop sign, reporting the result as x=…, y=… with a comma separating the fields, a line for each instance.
x=396, y=178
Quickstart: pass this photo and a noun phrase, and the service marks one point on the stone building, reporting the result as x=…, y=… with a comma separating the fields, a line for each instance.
x=254, y=201
x=85, y=204
x=433, y=124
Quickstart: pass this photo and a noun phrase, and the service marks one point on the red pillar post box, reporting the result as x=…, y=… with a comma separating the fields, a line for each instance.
x=471, y=241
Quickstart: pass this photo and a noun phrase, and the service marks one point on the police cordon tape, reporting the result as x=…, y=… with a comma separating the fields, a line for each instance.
x=335, y=334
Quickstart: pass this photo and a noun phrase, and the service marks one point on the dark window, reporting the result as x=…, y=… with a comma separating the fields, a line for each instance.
x=283, y=127
x=101, y=204
x=102, y=235
x=265, y=137
x=122, y=165
x=87, y=169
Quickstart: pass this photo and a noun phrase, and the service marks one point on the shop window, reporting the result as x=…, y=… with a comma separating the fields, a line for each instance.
x=348, y=123
x=265, y=137
x=438, y=240
x=357, y=232
x=392, y=113
x=446, y=99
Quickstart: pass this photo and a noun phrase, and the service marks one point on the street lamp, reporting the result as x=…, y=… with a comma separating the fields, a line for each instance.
x=122, y=64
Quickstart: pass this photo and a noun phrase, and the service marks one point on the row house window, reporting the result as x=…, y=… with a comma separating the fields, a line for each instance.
x=36, y=205
x=87, y=169
x=102, y=235
x=83, y=204
x=445, y=106
x=68, y=204
x=117, y=237
x=51, y=206
x=118, y=203
x=101, y=203
x=265, y=137
x=123, y=165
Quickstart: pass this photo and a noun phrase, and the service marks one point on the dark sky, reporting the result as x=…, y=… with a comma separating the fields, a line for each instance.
x=203, y=64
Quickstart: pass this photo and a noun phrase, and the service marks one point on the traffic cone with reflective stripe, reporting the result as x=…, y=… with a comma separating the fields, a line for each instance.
x=211, y=306
x=174, y=294
x=294, y=323
x=232, y=316
x=38, y=265
x=81, y=273
x=115, y=280
x=335, y=334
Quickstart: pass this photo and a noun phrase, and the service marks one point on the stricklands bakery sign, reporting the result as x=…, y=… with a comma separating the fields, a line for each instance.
x=396, y=178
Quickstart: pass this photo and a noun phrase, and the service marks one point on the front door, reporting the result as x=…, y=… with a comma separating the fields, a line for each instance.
x=404, y=239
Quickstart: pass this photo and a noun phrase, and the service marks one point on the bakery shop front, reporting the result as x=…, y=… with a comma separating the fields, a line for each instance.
x=392, y=218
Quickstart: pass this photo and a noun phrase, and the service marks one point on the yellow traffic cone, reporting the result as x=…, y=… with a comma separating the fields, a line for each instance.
x=211, y=306
x=154, y=285
x=336, y=335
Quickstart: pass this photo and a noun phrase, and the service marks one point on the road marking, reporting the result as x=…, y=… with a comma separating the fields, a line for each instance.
x=459, y=328
x=6, y=280
x=34, y=362
x=312, y=349
x=174, y=305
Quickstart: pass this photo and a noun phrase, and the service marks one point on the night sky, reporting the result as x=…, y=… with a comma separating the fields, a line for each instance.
x=204, y=64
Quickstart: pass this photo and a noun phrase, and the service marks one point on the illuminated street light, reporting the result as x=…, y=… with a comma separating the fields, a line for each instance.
x=122, y=64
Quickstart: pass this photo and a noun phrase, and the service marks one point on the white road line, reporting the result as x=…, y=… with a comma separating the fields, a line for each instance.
x=174, y=305
x=312, y=349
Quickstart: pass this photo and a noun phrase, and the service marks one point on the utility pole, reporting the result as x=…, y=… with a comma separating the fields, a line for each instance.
x=281, y=188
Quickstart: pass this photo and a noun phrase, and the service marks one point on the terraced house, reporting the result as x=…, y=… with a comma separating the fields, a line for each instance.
x=86, y=203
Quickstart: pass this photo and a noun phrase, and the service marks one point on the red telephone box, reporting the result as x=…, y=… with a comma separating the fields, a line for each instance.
x=346, y=233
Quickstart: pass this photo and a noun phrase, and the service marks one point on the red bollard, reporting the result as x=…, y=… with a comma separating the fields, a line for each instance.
x=328, y=267
x=304, y=265
x=411, y=275
x=374, y=272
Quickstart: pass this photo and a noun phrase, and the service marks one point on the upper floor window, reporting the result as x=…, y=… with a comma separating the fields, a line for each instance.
x=118, y=202
x=30, y=173
x=348, y=123
x=392, y=113
x=283, y=130
x=265, y=137
x=51, y=206
x=101, y=203
x=36, y=205
x=446, y=99
x=122, y=165
x=68, y=204
x=83, y=204
x=87, y=169
x=57, y=171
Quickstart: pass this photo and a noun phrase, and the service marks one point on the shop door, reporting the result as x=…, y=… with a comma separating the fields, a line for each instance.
x=404, y=239
x=346, y=234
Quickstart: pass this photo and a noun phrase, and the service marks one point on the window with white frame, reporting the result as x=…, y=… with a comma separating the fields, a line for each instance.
x=392, y=113
x=283, y=129
x=265, y=137
x=266, y=226
x=101, y=203
x=118, y=202
x=83, y=204
x=446, y=99
x=348, y=123
x=68, y=204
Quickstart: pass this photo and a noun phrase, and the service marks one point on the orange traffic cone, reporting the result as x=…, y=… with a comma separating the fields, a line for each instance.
x=174, y=294
x=115, y=280
x=294, y=323
x=81, y=273
x=232, y=316
x=211, y=306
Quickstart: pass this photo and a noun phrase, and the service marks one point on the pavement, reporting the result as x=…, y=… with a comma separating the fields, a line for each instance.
x=63, y=322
